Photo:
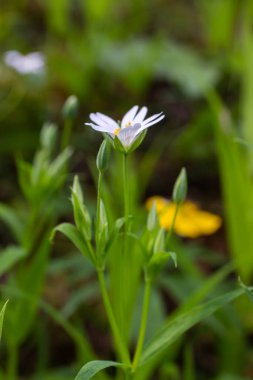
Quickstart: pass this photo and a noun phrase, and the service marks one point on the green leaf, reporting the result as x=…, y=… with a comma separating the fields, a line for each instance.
x=156, y=263
x=9, y=257
x=30, y=279
x=179, y=325
x=59, y=164
x=26, y=298
x=24, y=177
x=10, y=217
x=90, y=369
x=72, y=233
x=2, y=318
x=81, y=214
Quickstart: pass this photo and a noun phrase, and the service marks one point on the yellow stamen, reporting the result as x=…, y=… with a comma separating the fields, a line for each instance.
x=116, y=132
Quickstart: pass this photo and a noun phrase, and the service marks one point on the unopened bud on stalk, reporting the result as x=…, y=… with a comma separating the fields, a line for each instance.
x=180, y=187
x=48, y=136
x=70, y=107
x=103, y=156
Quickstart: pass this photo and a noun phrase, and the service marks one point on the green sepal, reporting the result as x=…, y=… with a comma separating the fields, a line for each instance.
x=180, y=187
x=157, y=262
x=119, y=146
x=137, y=142
x=81, y=214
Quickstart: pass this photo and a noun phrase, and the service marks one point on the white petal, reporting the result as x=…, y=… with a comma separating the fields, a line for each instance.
x=140, y=115
x=128, y=135
x=97, y=120
x=151, y=118
x=151, y=123
x=129, y=116
x=105, y=128
x=107, y=119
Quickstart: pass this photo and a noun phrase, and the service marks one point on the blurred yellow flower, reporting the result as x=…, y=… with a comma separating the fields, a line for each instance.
x=190, y=222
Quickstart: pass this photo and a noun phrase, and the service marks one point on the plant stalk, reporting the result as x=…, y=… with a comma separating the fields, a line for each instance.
x=66, y=133
x=173, y=223
x=99, y=190
x=121, y=348
x=143, y=325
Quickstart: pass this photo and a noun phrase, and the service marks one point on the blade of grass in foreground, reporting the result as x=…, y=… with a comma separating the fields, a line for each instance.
x=175, y=328
x=2, y=318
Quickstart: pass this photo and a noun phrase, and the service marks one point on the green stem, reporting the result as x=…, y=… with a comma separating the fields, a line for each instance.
x=122, y=350
x=66, y=133
x=99, y=190
x=126, y=191
x=143, y=325
x=173, y=223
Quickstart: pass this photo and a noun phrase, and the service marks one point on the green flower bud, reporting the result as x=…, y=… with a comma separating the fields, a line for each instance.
x=180, y=188
x=103, y=156
x=48, y=136
x=152, y=220
x=70, y=107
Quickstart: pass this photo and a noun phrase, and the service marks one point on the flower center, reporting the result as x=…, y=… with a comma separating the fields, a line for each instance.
x=129, y=124
x=116, y=132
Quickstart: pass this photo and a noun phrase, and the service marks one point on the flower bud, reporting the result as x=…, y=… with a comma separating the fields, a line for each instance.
x=48, y=136
x=70, y=107
x=103, y=156
x=152, y=220
x=180, y=187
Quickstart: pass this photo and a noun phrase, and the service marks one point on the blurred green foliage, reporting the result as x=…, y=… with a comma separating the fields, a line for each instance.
x=191, y=59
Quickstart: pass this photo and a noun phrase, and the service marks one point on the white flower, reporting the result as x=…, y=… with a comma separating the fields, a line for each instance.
x=131, y=126
x=32, y=63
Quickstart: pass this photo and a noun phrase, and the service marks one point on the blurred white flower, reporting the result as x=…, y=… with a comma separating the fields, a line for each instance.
x=32, y=63
x=132, y=124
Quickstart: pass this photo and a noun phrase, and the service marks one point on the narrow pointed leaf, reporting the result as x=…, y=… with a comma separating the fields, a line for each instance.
x=72, y=233
x=92, y=368
x=178, y=326
x=9, y=257
x=2, y=318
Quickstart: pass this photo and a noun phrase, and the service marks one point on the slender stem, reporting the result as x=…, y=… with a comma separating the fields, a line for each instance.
x=173, y=223
x=99, y=190
x=122, y=350
x=143, y=325
x=66, y=133
x=126, y=191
